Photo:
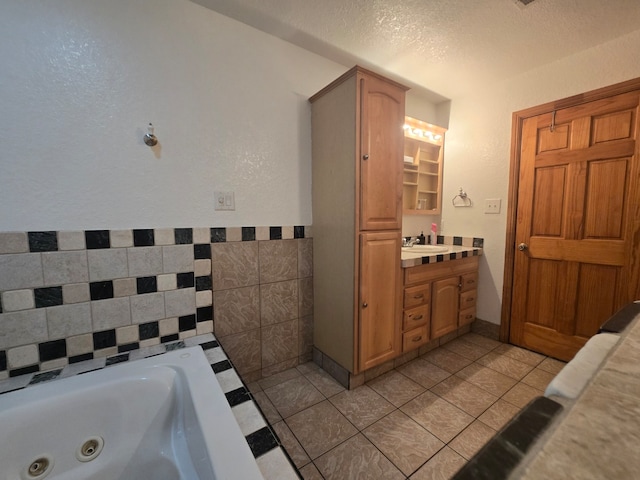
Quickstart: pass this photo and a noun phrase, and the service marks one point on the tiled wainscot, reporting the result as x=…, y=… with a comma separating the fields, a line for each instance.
x=71, y=296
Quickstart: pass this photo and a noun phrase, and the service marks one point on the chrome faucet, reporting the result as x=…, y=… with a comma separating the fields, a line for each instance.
x=409, y=242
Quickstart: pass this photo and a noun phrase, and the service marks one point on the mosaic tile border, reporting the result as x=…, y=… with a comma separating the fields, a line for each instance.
x=264, y=443
x=470, y=246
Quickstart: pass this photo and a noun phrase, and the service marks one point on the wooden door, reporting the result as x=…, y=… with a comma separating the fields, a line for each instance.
x=576, y=238
x=380, y=298
x=444, y=306
x=381, y=153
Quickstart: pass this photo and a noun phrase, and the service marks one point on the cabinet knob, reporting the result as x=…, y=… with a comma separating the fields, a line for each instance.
x=418, y=317
x=365, y=156
x=420, y=295
x=365, y=305
x=416, y=339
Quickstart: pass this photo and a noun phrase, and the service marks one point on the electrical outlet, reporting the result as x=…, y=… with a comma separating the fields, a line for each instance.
x=224, y=200
x=492, y=205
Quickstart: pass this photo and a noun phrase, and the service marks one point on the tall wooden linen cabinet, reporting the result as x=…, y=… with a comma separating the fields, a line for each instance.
x=357, y=145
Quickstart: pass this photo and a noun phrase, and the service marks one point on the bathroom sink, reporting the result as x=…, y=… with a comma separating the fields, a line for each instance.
x=426, y=249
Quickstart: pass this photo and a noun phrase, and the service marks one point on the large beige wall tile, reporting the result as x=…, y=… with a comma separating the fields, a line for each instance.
x=278, y=302
x=234, y=265
x=278, y=260
x=236, y=310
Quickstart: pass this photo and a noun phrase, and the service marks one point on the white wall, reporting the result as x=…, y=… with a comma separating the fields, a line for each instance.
x=479, y=138
x=80, y=80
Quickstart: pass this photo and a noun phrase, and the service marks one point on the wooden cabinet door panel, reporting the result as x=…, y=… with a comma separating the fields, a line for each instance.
x=380, y=325
x=381, y=154
x=578, y=222
x=444, y=306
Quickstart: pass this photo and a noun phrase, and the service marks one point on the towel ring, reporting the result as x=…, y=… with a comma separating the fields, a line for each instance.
x=464, y=201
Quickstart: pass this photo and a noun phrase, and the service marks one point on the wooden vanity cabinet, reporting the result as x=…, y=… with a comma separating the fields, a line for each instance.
x=357, y=149
x=452, y=301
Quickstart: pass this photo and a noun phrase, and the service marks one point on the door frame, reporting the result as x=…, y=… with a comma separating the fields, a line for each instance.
x=514, y=174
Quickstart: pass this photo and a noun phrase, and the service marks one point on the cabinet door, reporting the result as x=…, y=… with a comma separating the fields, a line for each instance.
x=380, y=309
x=381, y=154
x=444, y=306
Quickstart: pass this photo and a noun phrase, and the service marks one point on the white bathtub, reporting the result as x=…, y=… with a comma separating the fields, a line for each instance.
x=159, y=418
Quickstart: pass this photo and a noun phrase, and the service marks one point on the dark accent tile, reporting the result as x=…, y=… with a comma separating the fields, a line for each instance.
x=3, y=360
x=175, y=346
x=183, y=236
x=221, y=366
x=101, y=290
x=201, y=251
x=97, y=239
x=143, y=238
x=52, y=350
x=237, y=396
x=453, y=256
x=44, y=377
x=48, y=296
x=478, y=242
x=188, y=322
x=81, y=358
x=298, y=232
x=146, y=285
x=476, y=253
x=124, y=357
x=185, y=280
x=204, y=313
x=128, y=347
x=43, y=241
x=104, y=339
x=211, y=344
x=24, y=370
x=275, y=233
x=203, y=283
x=261, y=441
x=92, y=370
x=465, y=254
x=439, y=239
x=148, y=330
x=439, y=258
x=169, y=338
x=248, y=234
x=457, y=241
x=218, y=235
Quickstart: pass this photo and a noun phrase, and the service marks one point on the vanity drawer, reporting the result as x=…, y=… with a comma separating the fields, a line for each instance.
x=468, y=299
x=466, y=316
x=414, y=296
x=415, y=317
x=415, y=338
x=469, y=281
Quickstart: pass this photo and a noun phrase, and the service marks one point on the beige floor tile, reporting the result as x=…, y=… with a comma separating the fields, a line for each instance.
x=538, y=378
x=504, y=364
x=551, y=365
x=291, y=444
x=270, y=412
x=437, y=415
x=493, y=382
x=481, y=340
x=442, y=466
x=362, y=406
x=278, y=378
x=423, y=372
x=293, y=396
x=521, y=354
x=403, y=441
x=357, y=458
x=472, y=439
x=320, y=428
x=521, y=394
x=310, y=472
x=396, y=388
x=466, y=349
x=447, y=360
x=324, y=382
x=464, y=395
x=499, y=414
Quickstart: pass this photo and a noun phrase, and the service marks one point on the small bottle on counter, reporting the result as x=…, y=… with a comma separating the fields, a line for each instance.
x=422, y=239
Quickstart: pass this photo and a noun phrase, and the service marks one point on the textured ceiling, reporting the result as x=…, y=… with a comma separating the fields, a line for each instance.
x=441, y=47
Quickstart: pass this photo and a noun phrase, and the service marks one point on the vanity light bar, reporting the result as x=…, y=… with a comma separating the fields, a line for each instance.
x=422, y=133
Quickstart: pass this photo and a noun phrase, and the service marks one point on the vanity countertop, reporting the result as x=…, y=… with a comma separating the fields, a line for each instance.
x=456, y=248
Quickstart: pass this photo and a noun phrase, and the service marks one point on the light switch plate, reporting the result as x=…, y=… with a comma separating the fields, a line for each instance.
x=224, y=200
x=492, y=205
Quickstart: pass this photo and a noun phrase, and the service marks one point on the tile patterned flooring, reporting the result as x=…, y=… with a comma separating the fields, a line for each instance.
x=422, y=420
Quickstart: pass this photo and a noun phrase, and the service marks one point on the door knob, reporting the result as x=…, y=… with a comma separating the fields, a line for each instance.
x=522, y=247
x=365, y=156
x=365, y=305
